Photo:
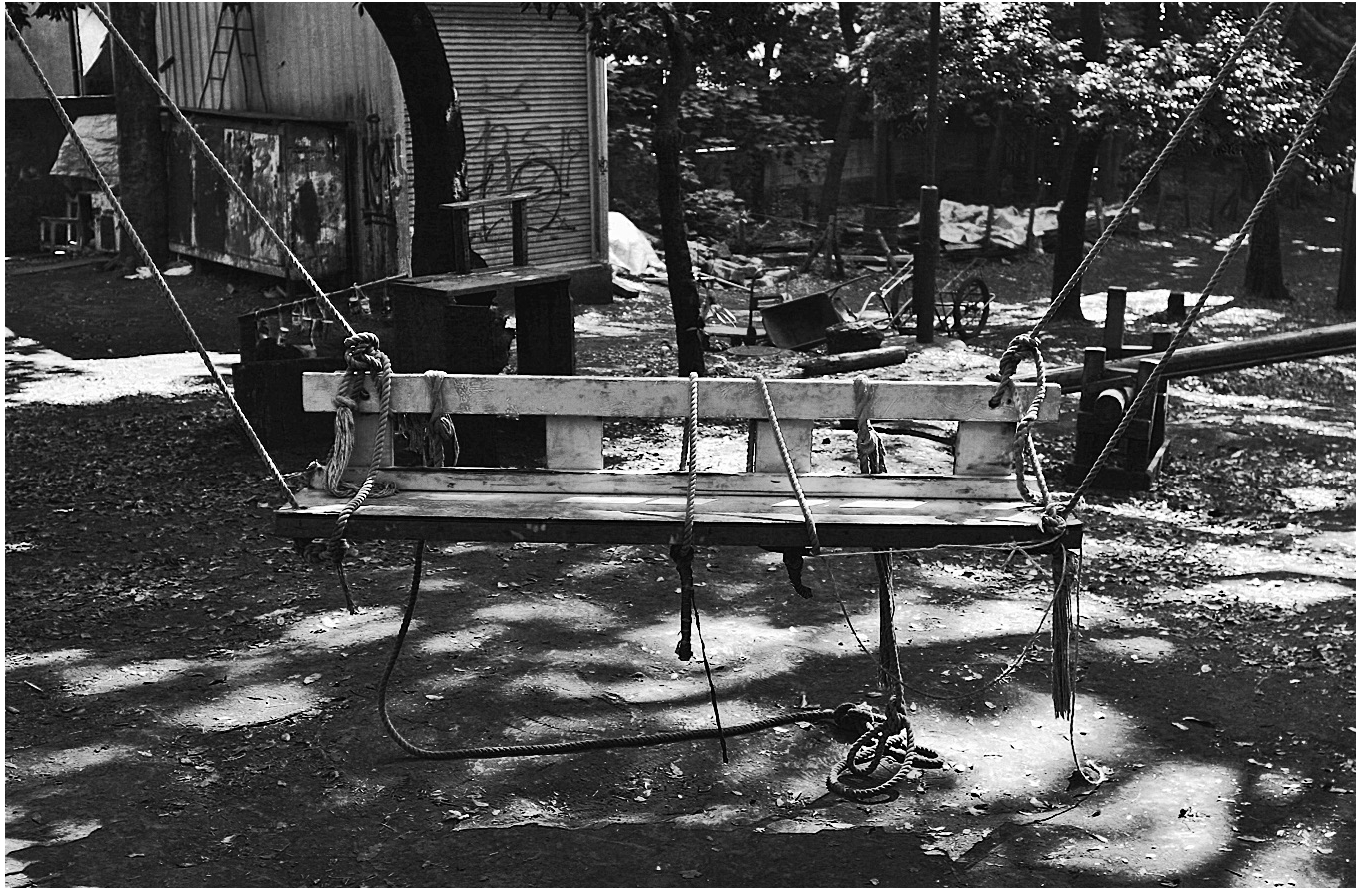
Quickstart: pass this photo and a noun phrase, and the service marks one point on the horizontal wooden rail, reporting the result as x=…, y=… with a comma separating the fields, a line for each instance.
x=654, y=397
x=1210, y=358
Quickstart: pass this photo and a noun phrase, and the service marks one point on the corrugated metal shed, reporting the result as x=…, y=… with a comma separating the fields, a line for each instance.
x=532, y=101
x=317, y=62
x=533, y=104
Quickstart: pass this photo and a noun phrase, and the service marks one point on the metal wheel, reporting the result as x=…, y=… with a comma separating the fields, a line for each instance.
x=971, y=308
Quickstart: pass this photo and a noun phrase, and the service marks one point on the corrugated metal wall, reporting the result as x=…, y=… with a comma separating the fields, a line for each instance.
x=318, y=61
x=526, y=91
x=532, y=103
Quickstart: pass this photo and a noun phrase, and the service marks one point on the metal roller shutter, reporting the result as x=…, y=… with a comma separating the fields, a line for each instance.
x=524, y=87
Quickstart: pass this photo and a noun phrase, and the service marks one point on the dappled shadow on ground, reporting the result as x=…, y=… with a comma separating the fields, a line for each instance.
x=193, y=707
x=188, y=705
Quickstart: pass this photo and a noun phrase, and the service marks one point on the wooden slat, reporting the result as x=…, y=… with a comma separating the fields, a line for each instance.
x=797, y=436
x=575, y=443
x=492, y=201
x=513, y=482
x=632, y=518
x=985, y=449
x=632, y=397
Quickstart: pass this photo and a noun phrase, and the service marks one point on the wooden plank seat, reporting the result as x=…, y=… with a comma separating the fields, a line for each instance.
x=576, y=500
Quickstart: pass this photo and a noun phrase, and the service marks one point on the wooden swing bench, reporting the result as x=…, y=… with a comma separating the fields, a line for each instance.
x=575, y=500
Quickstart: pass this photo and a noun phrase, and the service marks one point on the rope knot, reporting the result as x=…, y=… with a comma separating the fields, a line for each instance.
x=362, y=354
x=1021, y=347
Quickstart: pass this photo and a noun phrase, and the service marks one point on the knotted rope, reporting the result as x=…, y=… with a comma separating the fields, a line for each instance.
x=682, y=552
x=362, y=358
x=887, y=737
x=1024, y=452
x=434, y=437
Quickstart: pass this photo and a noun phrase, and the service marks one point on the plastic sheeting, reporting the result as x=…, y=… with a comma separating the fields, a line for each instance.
x=629, y=248
x=99, y=132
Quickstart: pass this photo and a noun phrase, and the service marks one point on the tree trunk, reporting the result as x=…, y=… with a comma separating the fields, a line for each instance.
x=1344, y=294
x=665, y=142
x=1084, y=158
x=438, y=144
x=1264, y=259
x=994, y=156
x=1071, y=221
x=142, y=171
x=850, y=106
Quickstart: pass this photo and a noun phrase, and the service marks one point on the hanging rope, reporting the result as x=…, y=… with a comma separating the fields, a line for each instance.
x=433, y=437
x=682, y=552
x=1180, y=134
x=217, y=165
x=846, y=716
x=145, y=254
x=888, y=737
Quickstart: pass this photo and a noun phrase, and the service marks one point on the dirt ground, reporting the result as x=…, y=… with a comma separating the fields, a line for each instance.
x=188, y=704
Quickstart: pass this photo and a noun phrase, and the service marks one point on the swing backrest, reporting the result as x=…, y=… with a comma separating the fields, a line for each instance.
x=576, y=408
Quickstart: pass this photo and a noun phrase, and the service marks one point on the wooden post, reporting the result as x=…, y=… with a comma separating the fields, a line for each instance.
x=519, y=232
x=545, y=328
x=1175, y=305
x=1116, y=306
x=926, y=263
x=462, y=240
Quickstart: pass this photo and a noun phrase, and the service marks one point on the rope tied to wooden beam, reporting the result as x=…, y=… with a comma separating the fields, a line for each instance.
x=682, y=552
x=1024, y=453
x=887, y=737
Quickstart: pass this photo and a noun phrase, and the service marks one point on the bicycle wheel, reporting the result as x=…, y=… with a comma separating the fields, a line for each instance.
x=971, y=308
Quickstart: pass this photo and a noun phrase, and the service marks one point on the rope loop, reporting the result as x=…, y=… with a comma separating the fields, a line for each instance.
x=1021, y=347
x=362, y=353
x=867, y=443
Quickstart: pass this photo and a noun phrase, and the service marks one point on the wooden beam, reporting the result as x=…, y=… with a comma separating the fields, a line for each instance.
x=508, y=483
x=631, y=518
x=656, y=397
x=474, y=203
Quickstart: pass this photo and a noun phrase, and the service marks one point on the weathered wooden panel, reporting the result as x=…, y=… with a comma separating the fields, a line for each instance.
x=660, y=397
x=314, y=182
x=294, y=172
x=774, y=520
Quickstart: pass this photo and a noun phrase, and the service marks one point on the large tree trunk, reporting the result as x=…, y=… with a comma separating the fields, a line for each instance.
x=142, y=172
x=438, y=144
x=665, y=142
x=1071, y=221
x=1084, y=158
x=850, y=107
x=1264, y=259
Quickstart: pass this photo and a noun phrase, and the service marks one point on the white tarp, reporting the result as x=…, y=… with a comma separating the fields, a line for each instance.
x=629, y=249
x=99, y=132
x=966, y=223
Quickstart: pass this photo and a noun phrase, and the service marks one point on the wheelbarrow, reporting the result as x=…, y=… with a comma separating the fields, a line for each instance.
x=801, y=323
